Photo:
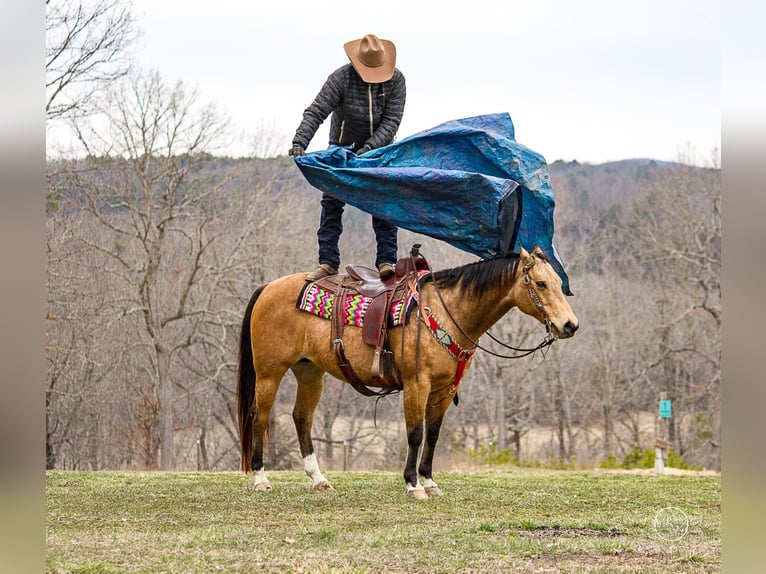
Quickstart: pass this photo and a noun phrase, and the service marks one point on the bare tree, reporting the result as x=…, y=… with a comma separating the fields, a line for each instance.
x=677, y=231
x=82, y=350
x=87, y=48
x=266, y=140
x=174, y=234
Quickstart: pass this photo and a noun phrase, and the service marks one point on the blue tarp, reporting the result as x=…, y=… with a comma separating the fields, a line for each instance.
x=467, y=182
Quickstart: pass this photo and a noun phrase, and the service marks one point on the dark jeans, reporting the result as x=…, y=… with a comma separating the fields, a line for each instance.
x=331, y=226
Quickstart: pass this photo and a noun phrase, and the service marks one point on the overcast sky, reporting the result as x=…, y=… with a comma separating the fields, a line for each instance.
x=592, y=81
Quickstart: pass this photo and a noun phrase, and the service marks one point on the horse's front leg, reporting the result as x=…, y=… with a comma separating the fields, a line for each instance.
x=310, y=382
x=434, y=416
x=415, y=397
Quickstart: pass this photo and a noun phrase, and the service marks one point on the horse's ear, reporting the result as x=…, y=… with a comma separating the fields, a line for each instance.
x=526, y=258
x=538, y=251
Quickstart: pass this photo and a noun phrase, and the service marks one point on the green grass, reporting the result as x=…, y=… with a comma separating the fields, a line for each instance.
x=491, y=521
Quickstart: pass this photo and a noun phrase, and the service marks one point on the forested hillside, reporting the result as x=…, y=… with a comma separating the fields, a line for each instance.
x=151, y=262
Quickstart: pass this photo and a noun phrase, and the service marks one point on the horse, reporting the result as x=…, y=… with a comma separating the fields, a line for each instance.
x=463, y=302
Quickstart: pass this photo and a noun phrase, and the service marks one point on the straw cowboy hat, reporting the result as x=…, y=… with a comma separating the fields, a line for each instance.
x=373, y=59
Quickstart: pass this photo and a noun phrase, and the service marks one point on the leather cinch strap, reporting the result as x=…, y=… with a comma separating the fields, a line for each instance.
x=338, y=348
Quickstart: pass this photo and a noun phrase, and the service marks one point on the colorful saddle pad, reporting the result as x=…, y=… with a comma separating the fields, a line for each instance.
x=320, y=301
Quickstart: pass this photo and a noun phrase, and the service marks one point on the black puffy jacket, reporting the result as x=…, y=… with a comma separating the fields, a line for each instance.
x=362, y=113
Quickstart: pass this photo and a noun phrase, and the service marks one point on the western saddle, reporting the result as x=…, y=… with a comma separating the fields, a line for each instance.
x=383, y=294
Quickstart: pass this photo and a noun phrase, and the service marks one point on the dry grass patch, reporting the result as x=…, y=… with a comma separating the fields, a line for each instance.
x=489, y=521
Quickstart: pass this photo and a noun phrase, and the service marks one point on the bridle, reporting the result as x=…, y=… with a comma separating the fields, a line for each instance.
x=527, y=280
x=546, y=342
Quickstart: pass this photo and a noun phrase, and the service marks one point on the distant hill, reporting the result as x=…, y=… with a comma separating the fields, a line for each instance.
x=604, y=185
x=579, y=188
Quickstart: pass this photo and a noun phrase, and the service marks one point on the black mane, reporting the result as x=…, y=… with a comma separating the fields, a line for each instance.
x=480, y=276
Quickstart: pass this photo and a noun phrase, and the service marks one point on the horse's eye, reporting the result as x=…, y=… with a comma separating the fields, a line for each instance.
x=540, y=284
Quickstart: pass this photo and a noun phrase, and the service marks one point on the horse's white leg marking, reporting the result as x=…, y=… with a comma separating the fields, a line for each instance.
x=261, y=482
x=431, y=487
x=417, y=491
x=312, y=469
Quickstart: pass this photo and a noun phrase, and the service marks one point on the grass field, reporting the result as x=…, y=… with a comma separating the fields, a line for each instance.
x=489, y=521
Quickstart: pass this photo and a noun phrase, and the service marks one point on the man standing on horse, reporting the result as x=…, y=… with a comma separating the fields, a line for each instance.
x=366, y=99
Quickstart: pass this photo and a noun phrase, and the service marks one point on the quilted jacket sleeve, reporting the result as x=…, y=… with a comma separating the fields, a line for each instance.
x=329, y=97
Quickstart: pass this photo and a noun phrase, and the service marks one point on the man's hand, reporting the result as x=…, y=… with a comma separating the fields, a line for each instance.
x=296, y=150
x=364, y=149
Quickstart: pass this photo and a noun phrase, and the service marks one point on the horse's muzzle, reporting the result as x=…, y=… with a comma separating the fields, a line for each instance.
x=569, y=329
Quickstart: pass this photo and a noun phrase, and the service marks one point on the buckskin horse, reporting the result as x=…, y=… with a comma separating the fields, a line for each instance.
x=453, y=309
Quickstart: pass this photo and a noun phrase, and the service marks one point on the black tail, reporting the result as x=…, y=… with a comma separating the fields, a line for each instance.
x=246, y=386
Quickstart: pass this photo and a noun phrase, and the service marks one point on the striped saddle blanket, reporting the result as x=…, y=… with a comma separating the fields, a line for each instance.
x=320, y=301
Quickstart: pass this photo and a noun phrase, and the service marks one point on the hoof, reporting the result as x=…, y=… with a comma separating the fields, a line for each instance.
x=433, y=491
x=262, y=486
x=418, y=493
x=323, y=485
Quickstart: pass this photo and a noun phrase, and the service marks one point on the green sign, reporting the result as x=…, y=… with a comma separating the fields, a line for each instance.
x=666, y=410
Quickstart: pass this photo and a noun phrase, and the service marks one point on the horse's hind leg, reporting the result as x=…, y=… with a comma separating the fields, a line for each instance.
x=310, y=381
x=265, y=393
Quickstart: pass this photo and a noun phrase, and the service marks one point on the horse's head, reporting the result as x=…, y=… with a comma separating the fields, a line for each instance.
x=538, y=293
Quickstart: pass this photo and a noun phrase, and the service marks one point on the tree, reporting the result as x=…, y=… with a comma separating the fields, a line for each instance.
x=87, y=48
x=175, y=237
x=677, y=233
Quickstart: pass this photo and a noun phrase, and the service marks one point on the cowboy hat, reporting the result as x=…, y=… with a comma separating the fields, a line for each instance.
x=373, y=59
